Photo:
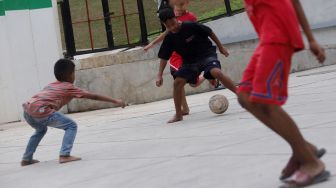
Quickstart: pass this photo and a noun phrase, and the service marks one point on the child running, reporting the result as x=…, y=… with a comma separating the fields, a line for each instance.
x=175, y=61
x=191, y=41
x=41, y=111
x=264, y=85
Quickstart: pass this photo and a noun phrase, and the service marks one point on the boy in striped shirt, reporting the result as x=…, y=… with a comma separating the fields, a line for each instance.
x=41, y=111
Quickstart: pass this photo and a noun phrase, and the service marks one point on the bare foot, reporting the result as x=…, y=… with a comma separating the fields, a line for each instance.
x=293, y=165
x=185, y=109
x=309, y=174
x=175, y=119
x=66, y=159
x=26, y=162
x=312, y=169
x=290, y=168
x=185, y=113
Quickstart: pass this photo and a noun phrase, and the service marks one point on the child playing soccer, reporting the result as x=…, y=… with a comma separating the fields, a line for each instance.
x=263, y=88
x=175, y=60
x=191, y=41
x=40, y=111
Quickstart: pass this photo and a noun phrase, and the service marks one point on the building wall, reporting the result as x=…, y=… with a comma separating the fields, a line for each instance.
x=8, y=109
x=31, y=47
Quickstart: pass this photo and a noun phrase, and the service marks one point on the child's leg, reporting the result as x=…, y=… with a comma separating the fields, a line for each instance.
x=40, y=131
x=271, y=65
x=200, y=80
x=280, y=122
x=214, y=82
x=185, y=107
x=244, y=101
x=226, y=81
x=178, y=92
x=60, y=121
x=33, y=143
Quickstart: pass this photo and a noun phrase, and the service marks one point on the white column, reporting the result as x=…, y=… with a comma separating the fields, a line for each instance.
x=46, y=42
x=32, y=45
x=8, y=107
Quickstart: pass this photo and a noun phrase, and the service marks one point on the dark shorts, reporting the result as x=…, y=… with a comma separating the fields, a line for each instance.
x=190, y=72
x=172, y=72
x=209, y=63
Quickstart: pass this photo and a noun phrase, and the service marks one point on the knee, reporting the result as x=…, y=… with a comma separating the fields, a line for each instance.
x=216, y=72
x=179, y=83
x=73, y=125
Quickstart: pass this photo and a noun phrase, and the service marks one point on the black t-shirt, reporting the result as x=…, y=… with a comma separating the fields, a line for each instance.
x=191, y=42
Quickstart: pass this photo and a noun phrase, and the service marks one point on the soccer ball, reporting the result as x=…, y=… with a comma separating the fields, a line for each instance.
x=218, y=104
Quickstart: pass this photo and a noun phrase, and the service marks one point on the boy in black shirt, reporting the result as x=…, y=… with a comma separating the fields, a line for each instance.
x=191, y=41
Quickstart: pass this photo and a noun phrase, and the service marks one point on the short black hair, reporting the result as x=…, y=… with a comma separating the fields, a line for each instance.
x=166, y=14
x=63, y=68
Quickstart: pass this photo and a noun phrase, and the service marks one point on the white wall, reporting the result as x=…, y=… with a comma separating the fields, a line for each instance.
x=45, y=35
x=32, y=49
x=23, y=60
x=8, y=110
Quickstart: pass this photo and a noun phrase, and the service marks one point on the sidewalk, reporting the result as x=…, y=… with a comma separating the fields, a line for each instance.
x=135, y=148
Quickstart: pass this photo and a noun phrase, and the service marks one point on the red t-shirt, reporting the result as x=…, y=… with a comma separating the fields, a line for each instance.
x=175, y=59
x=275, y=21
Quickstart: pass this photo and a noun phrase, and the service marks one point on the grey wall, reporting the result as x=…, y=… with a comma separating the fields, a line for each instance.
x=320, y=13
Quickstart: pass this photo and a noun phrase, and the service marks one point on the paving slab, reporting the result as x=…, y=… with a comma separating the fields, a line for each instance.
x=135, y=148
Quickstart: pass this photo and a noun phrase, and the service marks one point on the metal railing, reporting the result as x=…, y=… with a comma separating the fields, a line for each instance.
x=106, y=16
x=95, y=27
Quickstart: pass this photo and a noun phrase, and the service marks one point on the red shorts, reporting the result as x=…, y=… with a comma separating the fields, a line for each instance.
x=266, y=76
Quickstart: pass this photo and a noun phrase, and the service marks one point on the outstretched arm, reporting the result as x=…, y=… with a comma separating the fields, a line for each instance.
x=316, y=49
x=156, y=41
x=106, y=99
x=159, y=79
x=219, y=44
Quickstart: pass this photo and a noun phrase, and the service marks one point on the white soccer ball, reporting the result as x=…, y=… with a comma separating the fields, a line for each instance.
x=218, y=104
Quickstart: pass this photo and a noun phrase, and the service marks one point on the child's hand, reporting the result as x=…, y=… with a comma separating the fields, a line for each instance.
x=149, y=46
x=121, y=103
x=159, y=81
x=224, y=51
x=318, y=51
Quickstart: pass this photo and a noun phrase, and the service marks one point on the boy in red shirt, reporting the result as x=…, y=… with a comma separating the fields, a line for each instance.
x=263, y=88
x=41, y=111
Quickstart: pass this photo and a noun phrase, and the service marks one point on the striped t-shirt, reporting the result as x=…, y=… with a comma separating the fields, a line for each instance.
x=52, y=98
